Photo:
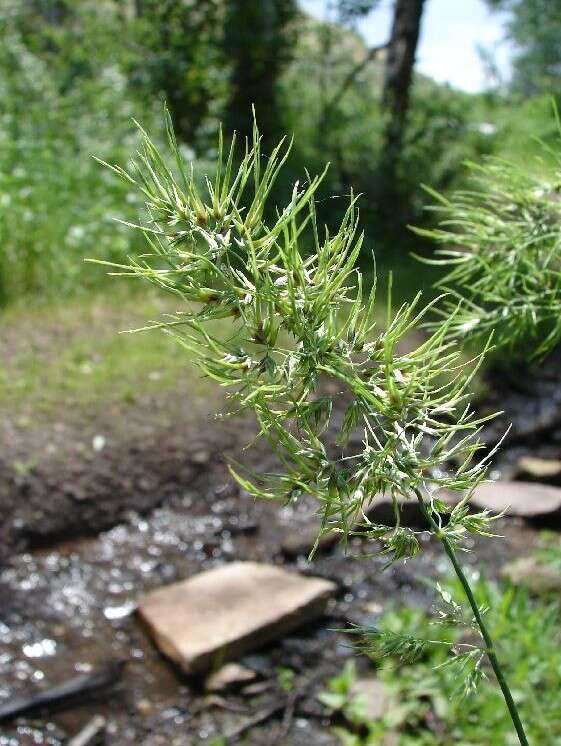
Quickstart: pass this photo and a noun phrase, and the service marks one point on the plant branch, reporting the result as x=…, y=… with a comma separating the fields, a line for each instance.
x=490, y=649
x=350, y=78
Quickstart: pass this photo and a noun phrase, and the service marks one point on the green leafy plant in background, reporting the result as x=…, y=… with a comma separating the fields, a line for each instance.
x=55, y=203
x=549, y=550
x=342, y=698
x=299, y=318
x=427, y=709
x=502, y=252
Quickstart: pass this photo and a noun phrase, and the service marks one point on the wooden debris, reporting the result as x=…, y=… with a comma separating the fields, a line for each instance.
x=260, y=717
x=90, y=733
x=63, y=694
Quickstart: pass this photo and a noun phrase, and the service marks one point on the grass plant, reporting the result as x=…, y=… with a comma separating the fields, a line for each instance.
x=427, y=702
x=502, y=255
x=299, y=318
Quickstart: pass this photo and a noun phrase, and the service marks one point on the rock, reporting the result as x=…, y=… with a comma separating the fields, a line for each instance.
x=534, y=469
x=223, y=613
x=371, y=697
x=524, y=499
x=374, y=608
x=301, y=542
x=230, y=676
x=536, y=576
x=252, y=690
x=200, y=457
x=144, y=707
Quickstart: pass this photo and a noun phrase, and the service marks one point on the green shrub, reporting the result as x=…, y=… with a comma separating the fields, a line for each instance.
x=56, y=205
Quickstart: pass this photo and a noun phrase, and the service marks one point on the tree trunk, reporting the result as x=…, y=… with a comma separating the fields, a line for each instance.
x=258, y=42
x=399, y=69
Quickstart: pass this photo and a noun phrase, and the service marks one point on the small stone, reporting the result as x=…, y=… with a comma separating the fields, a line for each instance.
x=371, y=696
x=230, y=676
x=538, y=577
x=98, y=442
x=144, y=707
x=523, y=499
x=300, y=543
x=223, y=613
x=252, y=690
x=373, y=607
x=201, y=456
x=533, y=469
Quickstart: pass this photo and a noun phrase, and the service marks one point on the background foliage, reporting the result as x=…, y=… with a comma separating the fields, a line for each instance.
x=74, y=73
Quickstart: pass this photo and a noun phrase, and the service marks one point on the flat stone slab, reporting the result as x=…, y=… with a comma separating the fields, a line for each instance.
x=301, y=541
x=534, y=469
x=539, y=578
x=218, y=615
x=524, y=499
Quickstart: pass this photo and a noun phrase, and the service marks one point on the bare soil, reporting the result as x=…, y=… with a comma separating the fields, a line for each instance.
x=102, y=505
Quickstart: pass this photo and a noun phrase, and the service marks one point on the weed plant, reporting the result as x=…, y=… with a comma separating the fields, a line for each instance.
x=502, y=253
x=299, y=319
x=426, y=702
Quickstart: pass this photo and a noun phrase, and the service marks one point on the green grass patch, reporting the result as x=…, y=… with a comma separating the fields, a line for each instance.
x=56, y=357
x=426, y=706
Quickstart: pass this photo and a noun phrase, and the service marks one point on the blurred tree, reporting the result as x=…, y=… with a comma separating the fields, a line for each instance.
x=348, y=12
x=74, y=38
x=258, y=40
x=400, y=62
x=51, y=11
x=181, y=58
x=400, y=52
x=534, y=27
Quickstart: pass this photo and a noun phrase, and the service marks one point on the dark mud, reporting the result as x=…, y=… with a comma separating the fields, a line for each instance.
x=99, y=509
x=70, y=609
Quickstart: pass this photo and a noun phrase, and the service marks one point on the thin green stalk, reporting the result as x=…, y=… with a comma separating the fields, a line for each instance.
x=226, y=261
x=490, y=649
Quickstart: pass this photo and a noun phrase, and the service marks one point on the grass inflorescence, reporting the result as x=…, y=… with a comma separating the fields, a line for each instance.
x=501, y=247
x=301, y=316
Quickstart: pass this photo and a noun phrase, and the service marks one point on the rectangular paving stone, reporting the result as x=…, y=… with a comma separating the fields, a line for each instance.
x=223, y=613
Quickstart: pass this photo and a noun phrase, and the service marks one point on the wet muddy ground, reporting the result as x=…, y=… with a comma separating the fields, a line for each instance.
x=69, y=609
x=89, y=526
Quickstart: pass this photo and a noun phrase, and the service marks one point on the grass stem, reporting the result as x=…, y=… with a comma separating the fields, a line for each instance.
x=493, y=660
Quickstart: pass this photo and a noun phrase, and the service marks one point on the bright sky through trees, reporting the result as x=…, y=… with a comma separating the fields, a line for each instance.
x=451, y=33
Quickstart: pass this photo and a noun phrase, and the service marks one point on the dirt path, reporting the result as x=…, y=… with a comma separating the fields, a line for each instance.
x=70, y=609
